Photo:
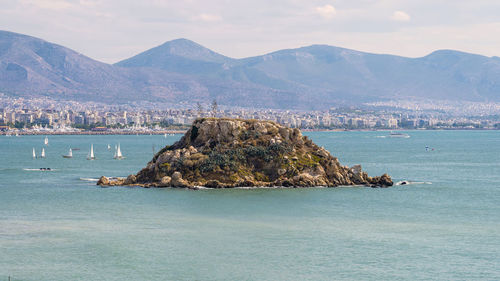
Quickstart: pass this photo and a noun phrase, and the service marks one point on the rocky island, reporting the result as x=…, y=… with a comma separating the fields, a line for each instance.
x=227, y=153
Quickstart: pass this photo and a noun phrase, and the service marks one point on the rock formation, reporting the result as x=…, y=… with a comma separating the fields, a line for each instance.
x=226, y=153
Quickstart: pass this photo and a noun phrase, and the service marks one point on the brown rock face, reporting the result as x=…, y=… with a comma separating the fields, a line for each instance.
x=177, y=180
x=225, y=153
x=103, y=181
x=131, y=179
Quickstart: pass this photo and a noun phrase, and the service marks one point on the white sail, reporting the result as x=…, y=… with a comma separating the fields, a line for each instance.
x=34, y=153
x=43, y=153
x=46, y=141
x=69, y=155
x=118, y=153
x=91, y=154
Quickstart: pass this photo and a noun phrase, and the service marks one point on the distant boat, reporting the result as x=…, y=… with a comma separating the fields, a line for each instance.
x=34, y=153
x=109, y=147
x=43, y=153
x=46, y=141
x=118, y=153
x=402, y=183
x=91, y=154
x=17, y=135
x=40, y=169
x=69, y=155
x=398, y=135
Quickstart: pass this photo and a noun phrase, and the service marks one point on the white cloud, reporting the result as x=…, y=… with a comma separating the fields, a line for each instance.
x=87, y=3
x=400, y=16
x=48, y=4
x=327, y=11
x=208, y=18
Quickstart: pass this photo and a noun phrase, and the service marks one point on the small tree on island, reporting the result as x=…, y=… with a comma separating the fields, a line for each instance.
x=214, y=108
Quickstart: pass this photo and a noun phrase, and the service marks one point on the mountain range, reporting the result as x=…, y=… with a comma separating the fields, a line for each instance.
x=313, y=77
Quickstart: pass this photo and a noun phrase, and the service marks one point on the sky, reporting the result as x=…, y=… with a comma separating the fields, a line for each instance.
x=113, y=30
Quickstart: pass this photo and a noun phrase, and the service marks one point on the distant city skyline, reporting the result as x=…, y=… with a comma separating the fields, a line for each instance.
x=113, y=30
x=42, y=115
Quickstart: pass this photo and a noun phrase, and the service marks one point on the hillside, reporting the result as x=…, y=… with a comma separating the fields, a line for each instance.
x=181, y=56
x=31, y=67
x=314, y=77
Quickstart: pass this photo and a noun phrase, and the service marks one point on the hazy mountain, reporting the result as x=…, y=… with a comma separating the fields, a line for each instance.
x=326, y=74
x=33, y=67
x=317, y=76
x=181, y=56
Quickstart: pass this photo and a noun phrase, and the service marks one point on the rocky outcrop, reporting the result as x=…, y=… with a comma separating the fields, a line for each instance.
x=226, y=153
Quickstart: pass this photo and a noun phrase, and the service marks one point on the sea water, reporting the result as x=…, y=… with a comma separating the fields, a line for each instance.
x=56, y=226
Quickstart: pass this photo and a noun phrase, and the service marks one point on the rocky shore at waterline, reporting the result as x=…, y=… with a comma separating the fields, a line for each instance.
x=228, y=153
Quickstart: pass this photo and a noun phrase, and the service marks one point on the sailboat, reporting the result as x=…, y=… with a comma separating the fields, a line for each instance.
x=118, y=153
x=109, y=147
x=46, y=141
x=69, y=155
x=43, y=153
x=34, y=153
x=91, y=154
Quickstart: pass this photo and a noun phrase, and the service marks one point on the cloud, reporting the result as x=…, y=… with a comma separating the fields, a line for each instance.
x=87, y=3
x=327, y=11
x=207, y=18
x=400, y=16
x=48, y=4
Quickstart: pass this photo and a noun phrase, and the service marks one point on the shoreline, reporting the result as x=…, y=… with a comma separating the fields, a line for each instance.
x=21, y=133
x=175, y=132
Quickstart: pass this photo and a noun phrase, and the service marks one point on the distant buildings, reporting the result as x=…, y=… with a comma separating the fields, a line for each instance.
x=21, y=113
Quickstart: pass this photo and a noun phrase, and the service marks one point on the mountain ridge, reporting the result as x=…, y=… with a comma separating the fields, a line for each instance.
x=311, y=77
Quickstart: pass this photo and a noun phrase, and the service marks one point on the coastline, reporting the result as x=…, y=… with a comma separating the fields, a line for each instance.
x=21, y=133
x=24, y=133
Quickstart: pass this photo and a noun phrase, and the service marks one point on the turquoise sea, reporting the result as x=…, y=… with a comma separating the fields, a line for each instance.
x=55, y=226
